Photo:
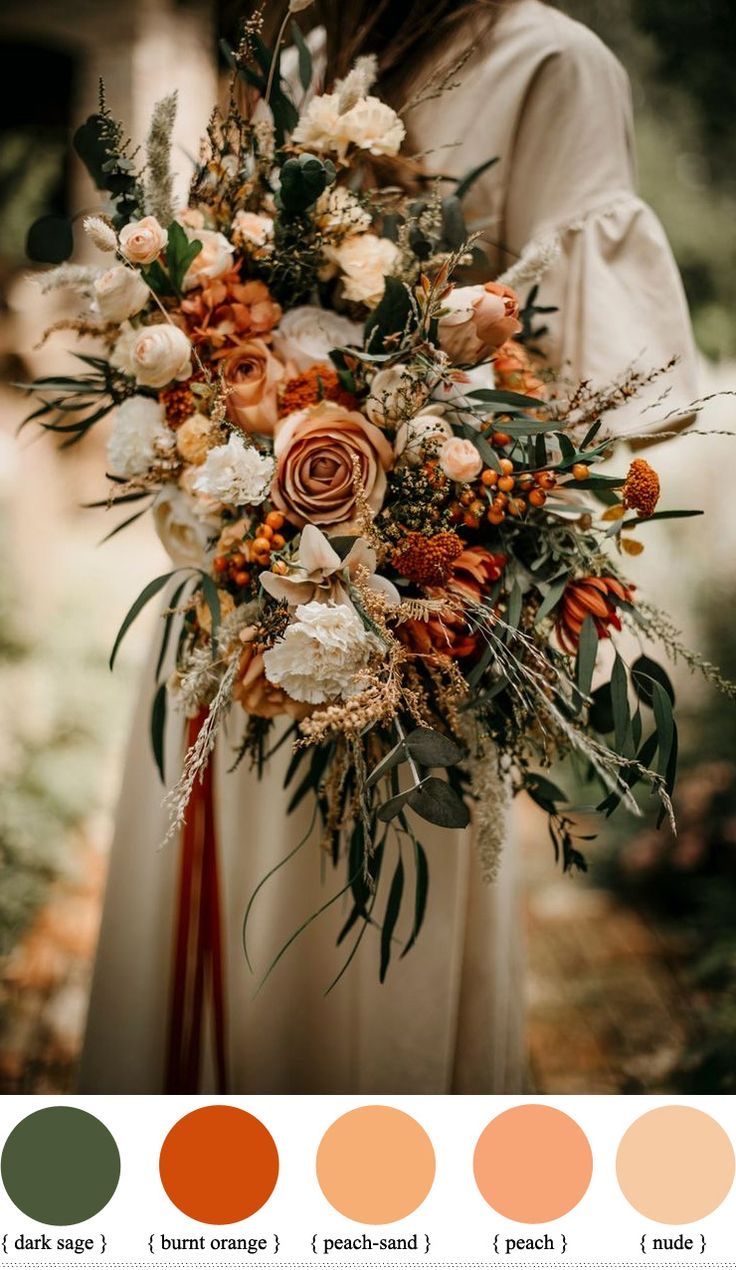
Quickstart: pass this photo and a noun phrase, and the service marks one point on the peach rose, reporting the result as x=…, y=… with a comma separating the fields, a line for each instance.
x=257, y=696
x=315, y=450
x=477, y=319
x=460, y=460
x=213, y=260
x=142, y=241
x=253, y=374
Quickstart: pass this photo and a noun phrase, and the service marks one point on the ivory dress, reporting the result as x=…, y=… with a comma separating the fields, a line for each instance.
x=547, y=97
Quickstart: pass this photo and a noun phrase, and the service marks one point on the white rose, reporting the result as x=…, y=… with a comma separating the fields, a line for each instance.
x=365, y=261
x=338, y=213
x=396, y=393
x=306, y=335
x=373, y=126
x=185, y=528
x=323, y=653
x=214, y=259
x=413, y=437
x=139, y=437
x=235, y=473
x=320, y=126
x=142, y=241
x=465, y=382
x=156, y=355
x=120, y=293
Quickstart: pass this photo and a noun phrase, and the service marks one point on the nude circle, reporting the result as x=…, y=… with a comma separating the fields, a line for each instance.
x=533, y=1164
x=375, y=1165
x=675, y=1165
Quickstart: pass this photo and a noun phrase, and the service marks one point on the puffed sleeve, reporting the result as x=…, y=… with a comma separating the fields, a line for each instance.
x=619, y=295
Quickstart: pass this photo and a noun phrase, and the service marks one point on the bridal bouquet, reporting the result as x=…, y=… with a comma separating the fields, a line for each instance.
x=391, y=539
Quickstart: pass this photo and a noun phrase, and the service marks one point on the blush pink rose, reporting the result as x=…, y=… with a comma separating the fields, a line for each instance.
x=460, y=460
x=315, y=450
x=142, y=241
x=252, y=375
x=477, y=320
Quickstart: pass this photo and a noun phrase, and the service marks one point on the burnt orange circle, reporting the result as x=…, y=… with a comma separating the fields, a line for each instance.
x=219, y=1165
x=533, y=1164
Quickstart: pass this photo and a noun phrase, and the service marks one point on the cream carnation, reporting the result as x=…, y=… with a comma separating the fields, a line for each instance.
x=373, y=126
x=323, y=653
x=142, y=241
x=306, y=335
x=320, y=125
x=213, y=260
x=155, y=355
x=235, y=473
x=139, y=437
x=365, y=261
x=120, y=293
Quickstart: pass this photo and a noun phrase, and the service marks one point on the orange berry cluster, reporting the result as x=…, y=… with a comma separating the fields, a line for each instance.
x=254, y=551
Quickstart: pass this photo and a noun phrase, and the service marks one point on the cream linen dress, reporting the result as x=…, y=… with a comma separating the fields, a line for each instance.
x=546, y=96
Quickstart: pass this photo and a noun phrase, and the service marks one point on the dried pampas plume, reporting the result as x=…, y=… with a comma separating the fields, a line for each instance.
x=159, y=181
x=101, y=232
x=538, y=258
x=357, y=83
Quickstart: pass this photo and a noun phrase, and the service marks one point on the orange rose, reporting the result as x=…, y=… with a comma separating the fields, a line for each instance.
x=477, y=319
x=315, y=451
x=257, y=696
x=252, y=375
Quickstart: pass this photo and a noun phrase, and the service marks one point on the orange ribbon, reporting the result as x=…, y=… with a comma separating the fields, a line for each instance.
x=198, y=962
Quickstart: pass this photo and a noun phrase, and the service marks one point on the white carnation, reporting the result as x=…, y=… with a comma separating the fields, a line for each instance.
x=323, y=653
x=139, y=437
x=235, y=473
x=307, y=334
x=373, y=126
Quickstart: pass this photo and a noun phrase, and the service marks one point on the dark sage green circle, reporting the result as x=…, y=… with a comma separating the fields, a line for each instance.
x=60, y=1166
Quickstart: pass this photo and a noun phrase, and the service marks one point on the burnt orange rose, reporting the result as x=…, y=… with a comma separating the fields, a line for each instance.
x=315, y=452
x=252, y=375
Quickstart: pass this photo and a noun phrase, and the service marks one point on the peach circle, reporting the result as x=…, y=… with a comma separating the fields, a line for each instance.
x=533, y=1164
x=375, y=1165
x=675, y=1165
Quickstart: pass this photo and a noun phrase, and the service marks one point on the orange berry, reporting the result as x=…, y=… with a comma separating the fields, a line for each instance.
x=261, y=546
x=264, y=531
x=220, y=564
x=500, y=438
x=517, y=506
x=275, y=520
x=506, y=483
x=537, y=497
x=467, y=497
x=242, y=577
x=237, y=560
x=545, y=480
x=470, y=520
x=506, y=466
x=278, y=566
x=488, y=476
x=277, y=542
x=263, y=558
x=495, y=517
x=580, y=471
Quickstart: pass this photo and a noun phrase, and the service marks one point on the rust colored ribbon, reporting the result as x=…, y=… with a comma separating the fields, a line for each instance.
x=198, y=963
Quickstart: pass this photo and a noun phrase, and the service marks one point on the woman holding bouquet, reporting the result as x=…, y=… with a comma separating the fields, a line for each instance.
x=544, y=95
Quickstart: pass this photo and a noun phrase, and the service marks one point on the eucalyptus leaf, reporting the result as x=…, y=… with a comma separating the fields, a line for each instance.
x=644, y=674
x=393, y=907
x=587, y=653
x=436, y=801
x=432, y=749
x=146, y=594
x=158, y=728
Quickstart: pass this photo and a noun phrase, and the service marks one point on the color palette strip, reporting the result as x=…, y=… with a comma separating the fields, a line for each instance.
x=375, y=1165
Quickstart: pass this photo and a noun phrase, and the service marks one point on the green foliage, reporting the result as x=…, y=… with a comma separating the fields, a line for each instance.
x=303, y=178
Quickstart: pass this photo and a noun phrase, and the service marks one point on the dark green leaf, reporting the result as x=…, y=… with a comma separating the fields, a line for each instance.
x=454, y=230
x=432, y=749
x=167, y=626
x=158, y=728
x=436, y=801
x=180, y=253
x=644, y=674
x=587, y=653
x=543, y=792
x=552, y=598
x=50, y=240
x=392, y=759
x=600, y=716
x=212, y=601
x=393, y=907
x=420, y=894
x=662, y=707
x=391, y=316
x=513, y=614
x=468, y=181
x=146, y=594
x=393, y=806
x=503, y=397
x=303, y=178
x=305, y=57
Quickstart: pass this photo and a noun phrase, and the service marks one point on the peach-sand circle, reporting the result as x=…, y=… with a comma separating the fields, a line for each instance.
x=533, y=1164
x=375, y=1165
x=675, y=1165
